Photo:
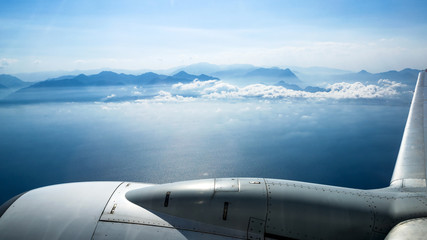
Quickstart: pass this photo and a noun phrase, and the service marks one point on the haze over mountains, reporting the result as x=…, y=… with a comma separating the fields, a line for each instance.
x=218, y=77
x=297, y=75
x=406, y=76
x=304, y=76
x=108, y=78
x=9, y=81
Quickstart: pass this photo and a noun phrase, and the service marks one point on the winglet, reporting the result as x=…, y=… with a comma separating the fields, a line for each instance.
x=410, y=168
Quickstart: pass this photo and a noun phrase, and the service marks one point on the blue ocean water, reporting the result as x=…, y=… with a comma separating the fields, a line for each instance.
x=351, y=144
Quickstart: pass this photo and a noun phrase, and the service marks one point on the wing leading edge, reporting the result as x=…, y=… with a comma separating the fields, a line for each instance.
x=410, y=168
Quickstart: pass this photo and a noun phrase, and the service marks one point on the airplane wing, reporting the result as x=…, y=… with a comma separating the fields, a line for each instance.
x=410, y=168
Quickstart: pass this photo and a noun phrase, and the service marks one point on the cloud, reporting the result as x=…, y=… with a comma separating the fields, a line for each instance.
x=109, y=97
x=220, y=86
x=384, y=89
x=195, y=85
x=220, y=90
x=387, y=82
x=164, y=96
x=257, y=91
x=4, y=62
x=205, y=87
x=137, y=93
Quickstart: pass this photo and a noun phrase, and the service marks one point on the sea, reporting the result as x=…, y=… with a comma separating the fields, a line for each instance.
x=345, y=143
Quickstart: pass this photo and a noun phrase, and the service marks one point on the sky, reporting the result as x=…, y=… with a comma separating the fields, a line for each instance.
x=43, y=35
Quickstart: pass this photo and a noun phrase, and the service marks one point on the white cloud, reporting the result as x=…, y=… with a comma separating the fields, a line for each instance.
x=195, y=85
x=220, y=90
x=137, y=93
x=166, y=97
x=220, y=86
x=109, y=97
x=384, y=89
x=387, y=82
x=4, y=62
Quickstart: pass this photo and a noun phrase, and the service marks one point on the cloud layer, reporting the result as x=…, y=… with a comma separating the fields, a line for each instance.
x=215, y=89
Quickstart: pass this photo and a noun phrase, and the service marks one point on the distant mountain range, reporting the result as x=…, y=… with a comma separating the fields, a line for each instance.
x=69, y=87
x=298, y=88
x=9, y=81
x=212, y=69
x=95, y=87
x=240, y=73
x=244, y=73
x=273, y=73
x=314, y=76
x=108, y=78
x=319, y=76
x=406, y=76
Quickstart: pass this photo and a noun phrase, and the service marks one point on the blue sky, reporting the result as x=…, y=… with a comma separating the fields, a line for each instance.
x=67, y=35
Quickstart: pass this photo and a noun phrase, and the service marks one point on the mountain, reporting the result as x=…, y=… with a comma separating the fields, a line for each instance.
x=270, y=75
x=198, y=68
x=288, y=86
x=240, y=74
x=233, y=73
x=271, y=72
x=108, y=78
x=407, y=76
x=211, y=69
x=298, y=88
x=317, y=71
x=41, y=76
x=247, y=74
x=74, y=82
x=184, y=77
x=315, y=89
x=10, y=81
x=149, y=78
x=97, y=87
x=62, y=77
